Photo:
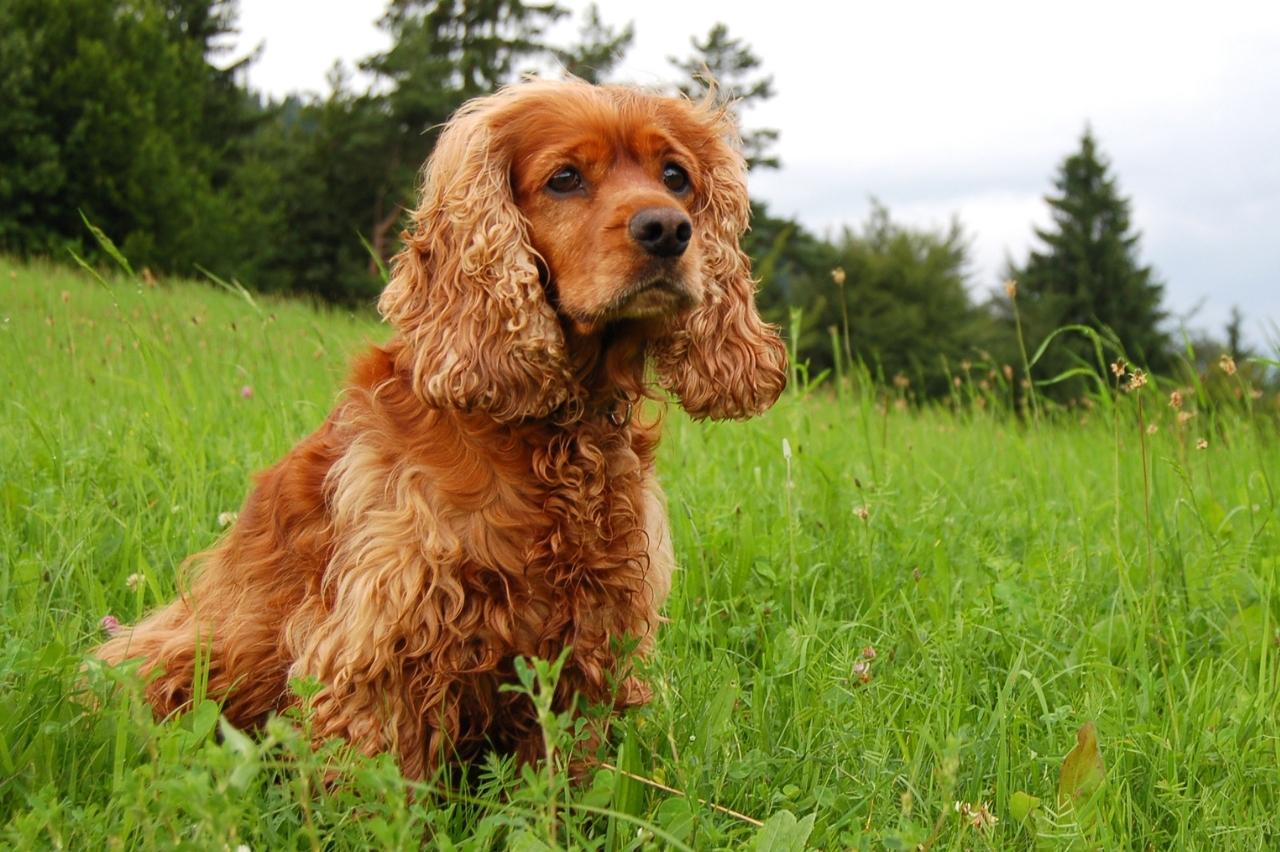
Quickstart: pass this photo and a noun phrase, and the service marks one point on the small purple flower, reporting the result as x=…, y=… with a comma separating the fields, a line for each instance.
x=110, y=625
x=247, y=392
x=868, y=653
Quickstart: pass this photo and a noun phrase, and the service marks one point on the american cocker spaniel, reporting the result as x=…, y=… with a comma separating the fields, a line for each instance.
x=485, y=488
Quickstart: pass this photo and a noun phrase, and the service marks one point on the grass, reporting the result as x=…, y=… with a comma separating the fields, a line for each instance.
x=1007, y=576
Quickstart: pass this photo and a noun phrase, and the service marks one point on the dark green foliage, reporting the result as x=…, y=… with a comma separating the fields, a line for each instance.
x=905, y=301
x=909, y=311
x=109, y=108
x=791, y=263
x=1087, y=270
x=312, y=178
x=443, y=53
x=117, y=109
x=467, y=47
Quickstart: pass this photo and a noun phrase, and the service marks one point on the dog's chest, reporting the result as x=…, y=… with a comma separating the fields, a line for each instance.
x=588, y=485
x=565, y=550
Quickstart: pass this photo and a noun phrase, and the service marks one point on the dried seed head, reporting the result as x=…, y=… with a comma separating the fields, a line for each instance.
x=1202, y=444
x=982, y=819
x=837, y=275
x=1184, y=416
x=1137, y=380
x=1011, y=288
x=1152, y=429
x=862, y=512
x=1007, y=369
x=1175, y=400
x=1228, y=364
x=1118, y=368
x=862, y=671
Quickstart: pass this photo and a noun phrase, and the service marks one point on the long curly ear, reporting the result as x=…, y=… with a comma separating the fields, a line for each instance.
x=465, y=292
x=722, y=360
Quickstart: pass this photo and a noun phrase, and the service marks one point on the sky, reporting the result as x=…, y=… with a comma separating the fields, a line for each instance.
x=946, y=109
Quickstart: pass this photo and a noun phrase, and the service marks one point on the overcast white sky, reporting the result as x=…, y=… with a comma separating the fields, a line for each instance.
x=965, y=108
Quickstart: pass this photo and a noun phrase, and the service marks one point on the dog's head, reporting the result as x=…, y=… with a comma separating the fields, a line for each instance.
x=554, y=208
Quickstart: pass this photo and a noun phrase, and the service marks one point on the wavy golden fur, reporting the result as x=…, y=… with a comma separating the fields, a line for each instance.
x=481, y=491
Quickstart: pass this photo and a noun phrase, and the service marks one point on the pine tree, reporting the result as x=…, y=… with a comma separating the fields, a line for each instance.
x=1087, y=271
x=730, y=64
x=599, y=48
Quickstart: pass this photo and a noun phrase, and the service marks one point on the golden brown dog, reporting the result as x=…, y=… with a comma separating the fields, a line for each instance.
x=482, y=492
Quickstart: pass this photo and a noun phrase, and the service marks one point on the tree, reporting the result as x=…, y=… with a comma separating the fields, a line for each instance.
x=321, y=176
x=598, y=50
x=905, y=295
x=307, y=182
x=732, y=66
x=443, y=53
x=114, y=110
x=1087, y=271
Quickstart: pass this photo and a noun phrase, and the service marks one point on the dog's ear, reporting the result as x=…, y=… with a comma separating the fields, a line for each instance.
x=465, y=292
x=721, y=359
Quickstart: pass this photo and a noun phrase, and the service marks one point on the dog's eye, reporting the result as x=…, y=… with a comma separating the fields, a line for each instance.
x=566, y=180
x=675, y=178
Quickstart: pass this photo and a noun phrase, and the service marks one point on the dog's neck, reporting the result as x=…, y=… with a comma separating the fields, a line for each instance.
x=608, y=363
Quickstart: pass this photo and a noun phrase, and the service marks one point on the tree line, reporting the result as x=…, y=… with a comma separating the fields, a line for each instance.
x=134, y=115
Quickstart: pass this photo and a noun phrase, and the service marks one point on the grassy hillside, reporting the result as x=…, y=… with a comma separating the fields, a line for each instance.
x=901, y=611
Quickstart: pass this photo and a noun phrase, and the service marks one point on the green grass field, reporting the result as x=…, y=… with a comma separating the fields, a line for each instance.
x=1016, y=580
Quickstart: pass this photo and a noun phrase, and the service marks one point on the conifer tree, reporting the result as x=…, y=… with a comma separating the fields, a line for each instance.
x=1087, y=270
x=599, y=48
x=443, y=52
x=732, y=65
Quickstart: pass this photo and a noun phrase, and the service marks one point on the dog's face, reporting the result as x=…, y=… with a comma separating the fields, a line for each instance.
x=555, y=209
x=611, y=200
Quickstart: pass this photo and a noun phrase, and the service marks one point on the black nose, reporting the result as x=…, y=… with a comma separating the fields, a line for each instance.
x=662, y=231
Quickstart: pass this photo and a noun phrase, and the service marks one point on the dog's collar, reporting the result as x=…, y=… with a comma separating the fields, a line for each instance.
x=616, y=413
x=620, y=412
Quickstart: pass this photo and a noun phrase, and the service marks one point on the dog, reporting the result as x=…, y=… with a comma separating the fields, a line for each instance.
x=485, y=488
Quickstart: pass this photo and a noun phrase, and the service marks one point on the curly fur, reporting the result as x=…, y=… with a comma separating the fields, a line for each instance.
x=475, y=495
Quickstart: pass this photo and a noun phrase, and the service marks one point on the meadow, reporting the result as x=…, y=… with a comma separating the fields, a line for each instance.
x=892, y=624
